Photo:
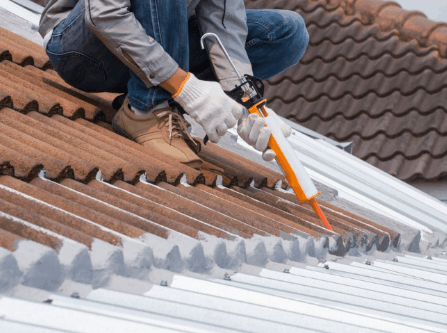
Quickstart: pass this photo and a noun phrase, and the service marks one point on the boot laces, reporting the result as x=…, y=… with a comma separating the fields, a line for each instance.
x=176, y=123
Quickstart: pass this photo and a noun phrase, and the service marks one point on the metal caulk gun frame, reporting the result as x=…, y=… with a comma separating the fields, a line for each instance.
x=249, y=93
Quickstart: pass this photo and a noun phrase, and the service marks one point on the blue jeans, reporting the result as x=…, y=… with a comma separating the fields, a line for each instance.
x=276, y=41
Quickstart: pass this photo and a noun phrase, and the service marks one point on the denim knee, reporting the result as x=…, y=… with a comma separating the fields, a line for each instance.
x=296, y=37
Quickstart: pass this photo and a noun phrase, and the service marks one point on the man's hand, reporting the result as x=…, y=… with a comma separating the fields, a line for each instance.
x=252, y=130
x=208, y=104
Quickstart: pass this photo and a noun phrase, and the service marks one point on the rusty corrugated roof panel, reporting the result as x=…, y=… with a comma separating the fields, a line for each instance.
x=99, y=187
x=374, y=74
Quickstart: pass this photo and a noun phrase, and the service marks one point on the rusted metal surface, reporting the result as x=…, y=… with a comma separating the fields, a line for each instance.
x=210, y=177
x=32, y=137
x=155, y=212
x=58, y=215
x=208, y=201
x=386, y=235
x=150, y=220
x=16, y=74
x=5, y=167
x=20, y=102
x=51, y=78
x=25, y=167
x=154, y=173
x=230, y=167
x=9, y=240
x=173, y=208
x=72, y=207
x=187, y=206
x=259, y=171
x=4, y=54
x=344, y=228
x=90, y=111
x=228, y=178
x=109, y=165
x=128, y=222
x=54, y=168
x=174, y=169
x=46, y=105
x=38, y=53
x=277, y=221
x=294, y=221
x=24, y=231
x=46, y=223
x=19, y=55
x=82, y=142
x=5, y=100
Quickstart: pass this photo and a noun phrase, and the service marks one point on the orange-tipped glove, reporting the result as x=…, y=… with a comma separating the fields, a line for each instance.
x=208, y=104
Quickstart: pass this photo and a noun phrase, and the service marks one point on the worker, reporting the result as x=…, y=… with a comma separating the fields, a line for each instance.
x=150, y=50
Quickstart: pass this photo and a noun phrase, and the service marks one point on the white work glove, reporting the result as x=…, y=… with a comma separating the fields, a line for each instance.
x=253, y=131
x=208, y=104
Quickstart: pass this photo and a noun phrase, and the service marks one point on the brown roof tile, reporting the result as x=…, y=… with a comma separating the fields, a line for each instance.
x=24, y=95
x=54, y=168
x=5, y=100
x=174, y=169
x=20, y=101
x=40, y=59
x=16, y=73
x=149, y=210
x=59, y=216
x=79, y=149
x=14, y=128
x=4, y=54
x=72, y=207
x=12, y=225
x=9, y=240
x=24, y=167
x=373, y=73
x=46, y=223
x=185, y=205
x=273, y=213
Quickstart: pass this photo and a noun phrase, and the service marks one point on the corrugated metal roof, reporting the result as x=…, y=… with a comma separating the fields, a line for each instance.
x=280, y=299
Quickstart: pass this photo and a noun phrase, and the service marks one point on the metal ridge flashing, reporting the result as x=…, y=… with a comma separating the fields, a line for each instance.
x=346, y=146
x=32, y=6
x=362, y=178
x=21, y=11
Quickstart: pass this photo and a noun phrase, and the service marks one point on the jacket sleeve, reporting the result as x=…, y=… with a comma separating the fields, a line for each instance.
x=233, y=36
x=116, y=26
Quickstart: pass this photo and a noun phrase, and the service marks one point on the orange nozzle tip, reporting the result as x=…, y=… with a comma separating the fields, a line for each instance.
x=313, y=203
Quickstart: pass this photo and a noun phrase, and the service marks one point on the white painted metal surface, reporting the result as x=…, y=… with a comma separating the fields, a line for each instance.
x=219, y=290
x=346, y=172
x=58, y=318
x=20, y=11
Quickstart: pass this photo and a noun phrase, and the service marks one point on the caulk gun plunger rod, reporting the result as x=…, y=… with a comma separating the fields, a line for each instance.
x=210, y=34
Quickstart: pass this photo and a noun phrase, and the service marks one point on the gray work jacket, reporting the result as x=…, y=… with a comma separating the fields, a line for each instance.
x=116, y=26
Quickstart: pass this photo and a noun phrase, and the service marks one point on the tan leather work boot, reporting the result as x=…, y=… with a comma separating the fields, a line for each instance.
x=162, y=131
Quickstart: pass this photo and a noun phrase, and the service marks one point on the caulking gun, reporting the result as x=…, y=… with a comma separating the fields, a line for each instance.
x=250, y=94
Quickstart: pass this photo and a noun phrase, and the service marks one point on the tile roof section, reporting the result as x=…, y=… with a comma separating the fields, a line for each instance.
x=374, y=74
x=131, y=208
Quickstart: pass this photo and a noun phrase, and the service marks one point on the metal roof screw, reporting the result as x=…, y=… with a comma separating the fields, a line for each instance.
x=326, y=266
x=429, y=258
x=75, y=295
x=227, y=277
x=367, y=262
x=164, y=283
x=286, y=270
x=395, y=260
